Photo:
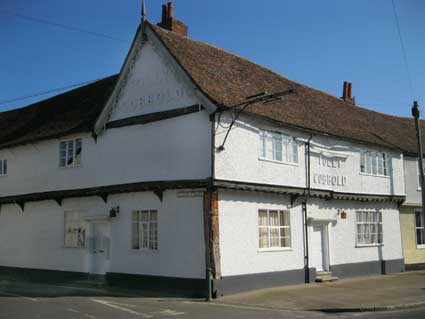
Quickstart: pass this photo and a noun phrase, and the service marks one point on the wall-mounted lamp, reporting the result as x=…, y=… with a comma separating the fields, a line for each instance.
x=114, y=212
x=342, y=214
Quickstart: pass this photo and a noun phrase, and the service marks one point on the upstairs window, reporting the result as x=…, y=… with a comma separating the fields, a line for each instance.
x=374, y=163
x=278, y=147
x=3, y=167
x=420, y=229
x=369, y=228
x=70, y=153
x=144, y=230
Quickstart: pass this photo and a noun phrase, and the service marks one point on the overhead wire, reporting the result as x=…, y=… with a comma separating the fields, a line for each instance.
x=29, y=96
x=403, y=49
x=60, y=25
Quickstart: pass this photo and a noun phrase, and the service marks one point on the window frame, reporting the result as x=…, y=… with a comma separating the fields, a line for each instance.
x=419, y=246
x=418, y=176
x=289, y=152
x=268, y=227
x=152, y=243
x=3, y=167
x=375, y=163
x=378, y=222
x=81, y=222
x=76, y=158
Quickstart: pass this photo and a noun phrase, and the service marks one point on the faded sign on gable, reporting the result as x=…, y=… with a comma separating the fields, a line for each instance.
x=152, y=86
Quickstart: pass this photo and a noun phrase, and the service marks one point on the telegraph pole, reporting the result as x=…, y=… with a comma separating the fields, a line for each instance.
x=416, y=115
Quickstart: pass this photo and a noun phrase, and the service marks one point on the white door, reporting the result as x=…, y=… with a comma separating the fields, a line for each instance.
x=319, y=247
x=100, y=252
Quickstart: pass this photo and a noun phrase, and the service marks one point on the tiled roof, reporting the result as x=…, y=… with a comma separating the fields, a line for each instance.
x=228, y=79
x=67, y=113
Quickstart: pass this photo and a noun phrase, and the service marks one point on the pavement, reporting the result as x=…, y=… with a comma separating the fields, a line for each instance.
x=372, y=293
x=88, y=300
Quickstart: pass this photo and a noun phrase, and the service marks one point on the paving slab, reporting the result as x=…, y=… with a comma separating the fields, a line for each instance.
x=372, y=293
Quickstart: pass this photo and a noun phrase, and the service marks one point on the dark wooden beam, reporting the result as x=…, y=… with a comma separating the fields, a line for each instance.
x=21, y=204
x=104, y=191
x=159, y=193
x=59, y=200
x=154, y=117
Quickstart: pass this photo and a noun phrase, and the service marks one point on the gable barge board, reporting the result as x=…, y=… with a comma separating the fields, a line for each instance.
x=319, y=193
x=154, y=117
x=102, y=191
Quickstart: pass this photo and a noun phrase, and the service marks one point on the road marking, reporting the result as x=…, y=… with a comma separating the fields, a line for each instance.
x=170, y=313
x=15, y=295
x=89, y=316
x=72, y=310
x=118, y=307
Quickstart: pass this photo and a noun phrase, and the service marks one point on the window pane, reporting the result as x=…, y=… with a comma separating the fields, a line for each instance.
x=78, y=150
x=374, y=164
x=263, y=238
x=277, y=149
x=419, y=220
x=381, y=164
x=5, y=167
x=363, y=162
x=70, y=153
x=284, y=218
x=153, y=236
x=274, y=237
x=135, y=235
x=135, y=216
x=294, y=152
x=144, y=235
x=262, y=218
x=420, y=239
x=153, y=216
x=273, y=218
x=144, y=216
x=1, y=167
x=62, y=154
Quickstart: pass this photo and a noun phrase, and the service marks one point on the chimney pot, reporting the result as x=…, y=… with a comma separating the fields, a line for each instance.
x=164, y=13
x=170, y=10
x=345, y=90
x=349, y=91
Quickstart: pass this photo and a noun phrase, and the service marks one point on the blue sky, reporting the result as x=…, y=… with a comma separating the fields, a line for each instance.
x=318, y=43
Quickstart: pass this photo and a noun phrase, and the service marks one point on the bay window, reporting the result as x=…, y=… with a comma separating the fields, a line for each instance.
x=278, y=147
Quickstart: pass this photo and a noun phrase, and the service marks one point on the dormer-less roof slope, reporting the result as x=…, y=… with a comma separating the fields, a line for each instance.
x=227, y=79
x=71, y=112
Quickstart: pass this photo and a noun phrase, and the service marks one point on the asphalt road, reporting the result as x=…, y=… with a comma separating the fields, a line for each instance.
x=13, y=306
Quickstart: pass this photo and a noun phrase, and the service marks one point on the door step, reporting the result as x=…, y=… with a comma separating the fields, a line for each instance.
x=324, y=276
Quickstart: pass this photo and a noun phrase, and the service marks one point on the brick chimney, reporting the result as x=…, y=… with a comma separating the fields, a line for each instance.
x=347, y=93
x=170, y=23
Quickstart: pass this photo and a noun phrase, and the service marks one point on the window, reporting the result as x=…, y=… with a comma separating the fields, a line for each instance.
x=274, y=229
x=70, y=153
x=419, y=176
x=278, y=147
x=420, y=232
x=144, y=230
x=75, y=230
x=374, y=163
x=369, y=228
x=3, y=167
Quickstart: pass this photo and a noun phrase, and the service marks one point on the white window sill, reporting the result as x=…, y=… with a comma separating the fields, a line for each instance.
x=277, y=162
x=267, y=250
x=3, y=175
x=420, y=246
x=74, y=247
x=375, y=175
x=70, y=166
x=368, y=245
x=144, y=251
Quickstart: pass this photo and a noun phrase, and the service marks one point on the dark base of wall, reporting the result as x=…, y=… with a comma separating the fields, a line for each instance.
x=236, y=284
x=42, y=275
x=368, y=268
x=420, y=266
x=180, y=286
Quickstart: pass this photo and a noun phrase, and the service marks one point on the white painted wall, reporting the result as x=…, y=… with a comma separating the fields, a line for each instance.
x=342, y=241
x=35, y=238
x=411, y=178
x=173, y=149
x=239, y=246
x=240, y=161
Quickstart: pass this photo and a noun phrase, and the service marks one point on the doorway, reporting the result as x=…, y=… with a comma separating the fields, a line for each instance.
x=100, y=247
x=319, y=243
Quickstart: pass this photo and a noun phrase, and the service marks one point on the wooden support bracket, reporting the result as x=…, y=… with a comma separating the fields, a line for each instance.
x=159, y=193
